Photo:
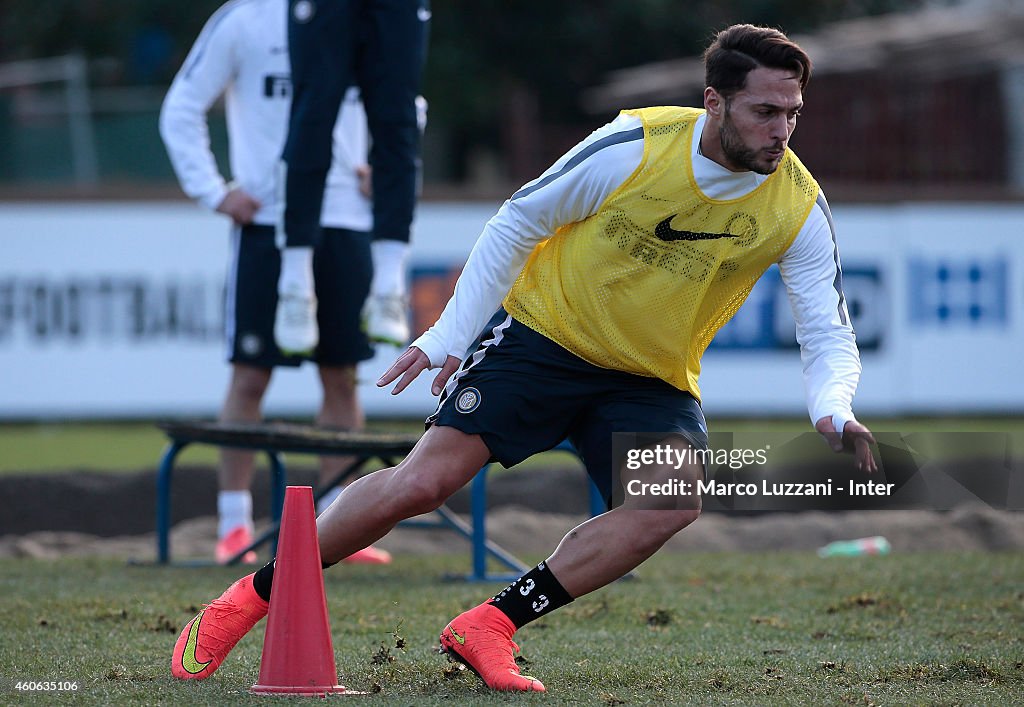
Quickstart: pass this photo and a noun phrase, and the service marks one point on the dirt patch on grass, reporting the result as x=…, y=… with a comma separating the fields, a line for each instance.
x=88, y=513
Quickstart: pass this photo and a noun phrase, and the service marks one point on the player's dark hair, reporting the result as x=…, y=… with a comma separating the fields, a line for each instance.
x=739, y=49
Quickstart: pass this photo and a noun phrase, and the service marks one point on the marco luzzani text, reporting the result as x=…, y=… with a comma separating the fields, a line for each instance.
x=667, y=456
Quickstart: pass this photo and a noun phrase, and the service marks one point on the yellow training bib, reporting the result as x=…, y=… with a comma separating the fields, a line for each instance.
x=644, y=284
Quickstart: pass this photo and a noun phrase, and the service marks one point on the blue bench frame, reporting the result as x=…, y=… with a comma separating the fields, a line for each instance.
x=185, y=434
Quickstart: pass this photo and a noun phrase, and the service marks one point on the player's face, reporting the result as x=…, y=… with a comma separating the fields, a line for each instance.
x=758, y=121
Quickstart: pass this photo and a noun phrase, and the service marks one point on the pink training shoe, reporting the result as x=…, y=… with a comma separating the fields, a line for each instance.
x=369, y=555
x=233, y=543
x=207, y=639
x=481, y=639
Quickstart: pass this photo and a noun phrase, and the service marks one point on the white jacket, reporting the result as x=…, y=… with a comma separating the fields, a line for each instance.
x=242, y=54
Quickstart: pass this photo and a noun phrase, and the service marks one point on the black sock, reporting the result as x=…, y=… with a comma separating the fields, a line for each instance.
x=536, y=593
x=263, y=579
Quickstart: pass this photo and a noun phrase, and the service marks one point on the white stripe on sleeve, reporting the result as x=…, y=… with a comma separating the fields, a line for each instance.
x=812, y=273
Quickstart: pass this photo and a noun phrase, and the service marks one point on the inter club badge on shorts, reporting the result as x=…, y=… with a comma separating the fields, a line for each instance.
x=303, y=10
x=468, y=400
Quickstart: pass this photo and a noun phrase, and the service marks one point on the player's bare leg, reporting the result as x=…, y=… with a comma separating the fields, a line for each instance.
x=441, y=463
x=340, y=410
x=590, y=556
x=234, y=474
x=609, y=546
x=242, y=403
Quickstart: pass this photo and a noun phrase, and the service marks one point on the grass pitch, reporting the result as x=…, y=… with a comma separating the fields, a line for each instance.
x=738, y=629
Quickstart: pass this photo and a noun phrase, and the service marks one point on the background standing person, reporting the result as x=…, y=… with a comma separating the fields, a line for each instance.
x=616, y=267
x=379, y=46
x=241, y=54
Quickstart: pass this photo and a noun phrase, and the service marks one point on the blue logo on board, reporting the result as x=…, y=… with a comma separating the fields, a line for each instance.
x=947, y=293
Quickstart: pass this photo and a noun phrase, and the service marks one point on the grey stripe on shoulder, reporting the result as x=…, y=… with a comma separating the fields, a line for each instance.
x=838, y=282
x=579, y=157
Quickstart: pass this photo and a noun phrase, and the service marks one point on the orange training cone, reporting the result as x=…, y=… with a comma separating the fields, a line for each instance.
x=298, y=656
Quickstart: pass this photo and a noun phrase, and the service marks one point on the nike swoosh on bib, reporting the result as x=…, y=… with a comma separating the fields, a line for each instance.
x=664, y=231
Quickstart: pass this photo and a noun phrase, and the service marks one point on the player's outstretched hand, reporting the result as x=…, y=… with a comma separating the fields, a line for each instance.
x=856, y=438
x=413, y=362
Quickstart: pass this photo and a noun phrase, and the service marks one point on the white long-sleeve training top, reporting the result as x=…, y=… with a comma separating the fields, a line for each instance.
x=575, y=187
x=242, y=54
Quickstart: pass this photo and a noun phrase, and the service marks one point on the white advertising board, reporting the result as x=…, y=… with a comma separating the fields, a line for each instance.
x=115, y=310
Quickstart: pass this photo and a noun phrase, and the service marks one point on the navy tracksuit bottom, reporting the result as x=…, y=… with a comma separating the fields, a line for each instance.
x=379, y=46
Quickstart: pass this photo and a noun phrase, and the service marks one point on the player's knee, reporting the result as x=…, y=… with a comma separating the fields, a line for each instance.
x=685, y=518
x=249, y=386
x=664, y=524
x=419, y=493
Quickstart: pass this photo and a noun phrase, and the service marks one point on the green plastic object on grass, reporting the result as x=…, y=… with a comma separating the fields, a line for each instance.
x=875, y=545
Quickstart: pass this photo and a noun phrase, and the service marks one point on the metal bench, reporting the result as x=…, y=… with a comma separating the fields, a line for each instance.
x=273, y=439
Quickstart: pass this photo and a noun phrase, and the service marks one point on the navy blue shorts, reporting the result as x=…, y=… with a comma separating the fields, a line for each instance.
x=342, y=269
x=523, y=394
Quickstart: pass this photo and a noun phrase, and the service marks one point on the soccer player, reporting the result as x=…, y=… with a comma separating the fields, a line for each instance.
x=378, y=45
x=242, y=54
x=616, y=268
